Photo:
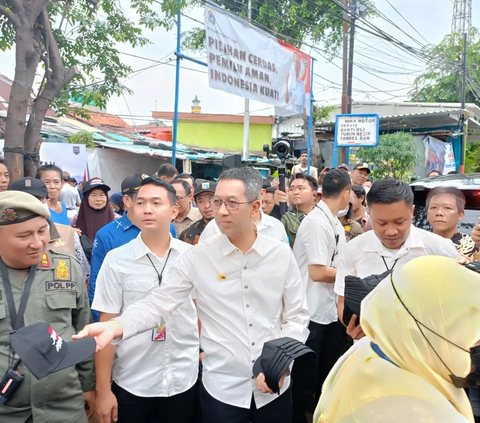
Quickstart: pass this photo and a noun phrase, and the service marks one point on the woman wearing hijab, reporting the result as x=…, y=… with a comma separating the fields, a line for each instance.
x=422, y=347
x=95, y=211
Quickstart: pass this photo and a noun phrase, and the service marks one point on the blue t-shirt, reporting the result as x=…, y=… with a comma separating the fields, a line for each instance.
x=60, y=218
x=111, y=236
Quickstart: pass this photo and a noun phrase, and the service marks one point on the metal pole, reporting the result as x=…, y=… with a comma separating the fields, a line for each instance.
x=345, y=78
x=177, y=86
x=463, y=138
x=310, y=119
x=246, y=116
x=350, y=55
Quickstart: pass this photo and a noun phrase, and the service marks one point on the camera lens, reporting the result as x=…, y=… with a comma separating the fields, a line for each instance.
x=282, y=149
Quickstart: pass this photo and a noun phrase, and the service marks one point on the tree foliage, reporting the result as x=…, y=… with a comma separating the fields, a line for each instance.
x=395, y=156
x=472, y=158
x=288, y=20
x=74, y=46
x=442, y=80
x=82, y=137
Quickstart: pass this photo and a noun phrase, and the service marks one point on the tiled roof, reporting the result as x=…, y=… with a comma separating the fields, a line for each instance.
x=103, y=119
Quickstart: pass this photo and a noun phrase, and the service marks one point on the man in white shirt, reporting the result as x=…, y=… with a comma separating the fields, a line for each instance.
x=248, y=291
x=69, y=196
x=319, y=239
x=265, y=224
x=392, y=243
x=154, y=373
x=303, y=166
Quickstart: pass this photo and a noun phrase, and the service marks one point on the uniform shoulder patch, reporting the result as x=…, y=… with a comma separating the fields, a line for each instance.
x=45, y=261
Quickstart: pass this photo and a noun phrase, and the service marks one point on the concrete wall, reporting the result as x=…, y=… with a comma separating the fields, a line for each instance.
x=222, y=135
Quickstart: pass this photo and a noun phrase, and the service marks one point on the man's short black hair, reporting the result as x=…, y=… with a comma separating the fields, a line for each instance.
x=389, y=191
x=334, y=183
x=309, y=178
x=266, y=183
x=153, y=180
x=184, y=176
x=73, y=181
x=167, y=170
x=359, y=192
x=186, y=186
x=270, y=190
x=47, y=168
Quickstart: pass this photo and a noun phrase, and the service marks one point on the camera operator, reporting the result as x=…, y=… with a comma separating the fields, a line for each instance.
x=302, y=167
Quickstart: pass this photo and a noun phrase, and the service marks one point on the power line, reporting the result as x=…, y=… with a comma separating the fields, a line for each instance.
x=411, y=26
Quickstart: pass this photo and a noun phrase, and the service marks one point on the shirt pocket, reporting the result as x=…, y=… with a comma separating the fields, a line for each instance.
x=137, y=289
x=59, y=308
x=5, y=324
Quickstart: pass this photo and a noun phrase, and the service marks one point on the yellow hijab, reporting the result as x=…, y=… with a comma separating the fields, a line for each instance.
x=365, y=388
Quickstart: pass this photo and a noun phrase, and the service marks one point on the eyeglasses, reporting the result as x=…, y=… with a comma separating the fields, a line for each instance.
x=181, y=198
x=230, y=205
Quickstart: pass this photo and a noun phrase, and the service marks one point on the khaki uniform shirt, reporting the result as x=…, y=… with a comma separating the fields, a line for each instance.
x=192, y=216
x=58, y=296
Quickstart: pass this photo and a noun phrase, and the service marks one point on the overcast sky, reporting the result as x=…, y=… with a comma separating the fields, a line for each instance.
x=154, y=88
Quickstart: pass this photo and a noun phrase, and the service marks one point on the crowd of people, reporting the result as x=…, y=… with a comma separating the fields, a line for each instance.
x=187, y=280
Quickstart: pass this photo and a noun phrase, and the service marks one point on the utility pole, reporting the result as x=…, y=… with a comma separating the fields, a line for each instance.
x=353, y=10
x=464, y=99
x=246, y=116
x=343, y=151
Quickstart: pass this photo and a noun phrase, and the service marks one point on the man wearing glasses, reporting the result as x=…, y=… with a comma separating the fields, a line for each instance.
x=187, y=215
x=248, y=291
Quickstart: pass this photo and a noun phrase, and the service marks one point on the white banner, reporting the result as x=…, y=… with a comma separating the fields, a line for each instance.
x=248, y=62
x=69, y=157
x=357, y=130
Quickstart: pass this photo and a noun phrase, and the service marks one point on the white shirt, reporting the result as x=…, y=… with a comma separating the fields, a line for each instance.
x=299, y=169
x=268, y=226
x=70, y=196
x=363, y=255
x=316, y=244
x=144, y=367
x=243, y=301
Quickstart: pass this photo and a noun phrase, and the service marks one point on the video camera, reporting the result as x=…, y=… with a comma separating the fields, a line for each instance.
x=282, y=147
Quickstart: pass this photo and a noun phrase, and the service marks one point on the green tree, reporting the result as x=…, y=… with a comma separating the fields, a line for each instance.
x=74, y=45
x=395, y=156
x=472, y=158
x=442, y=80
x=300, y=20
x=82, y=137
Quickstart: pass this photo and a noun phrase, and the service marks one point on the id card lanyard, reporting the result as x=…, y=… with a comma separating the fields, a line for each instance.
x=16, y=318
x=159, y=333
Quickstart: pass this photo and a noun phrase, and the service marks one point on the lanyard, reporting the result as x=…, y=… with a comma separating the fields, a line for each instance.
x=163, y=268
x=16, y=318
x=389, y=268
x=337, y=237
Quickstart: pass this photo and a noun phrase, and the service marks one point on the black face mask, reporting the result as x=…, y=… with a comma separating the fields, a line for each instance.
x=473, y=378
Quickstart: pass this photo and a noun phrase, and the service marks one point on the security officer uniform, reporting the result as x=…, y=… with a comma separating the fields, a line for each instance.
x=58, y=296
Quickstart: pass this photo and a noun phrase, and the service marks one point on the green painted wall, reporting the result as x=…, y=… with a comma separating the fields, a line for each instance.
x=222, y=135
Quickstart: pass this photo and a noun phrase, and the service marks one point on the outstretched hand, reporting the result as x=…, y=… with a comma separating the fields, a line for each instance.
x=103, y=332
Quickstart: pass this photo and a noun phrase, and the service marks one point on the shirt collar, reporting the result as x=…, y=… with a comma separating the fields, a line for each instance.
x=228, y=248
x=126, y=223
x=413, y=241
x=323, y=206
x=141, y=249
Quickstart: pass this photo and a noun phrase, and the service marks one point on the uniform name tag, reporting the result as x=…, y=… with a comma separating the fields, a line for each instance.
x=159, y=333
x=60, y=286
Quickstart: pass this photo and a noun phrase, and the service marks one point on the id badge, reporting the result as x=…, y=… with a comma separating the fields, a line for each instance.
x=159, y=333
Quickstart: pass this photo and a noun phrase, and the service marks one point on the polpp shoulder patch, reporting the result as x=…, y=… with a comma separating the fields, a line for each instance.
x=62, y=269
x=45, y=261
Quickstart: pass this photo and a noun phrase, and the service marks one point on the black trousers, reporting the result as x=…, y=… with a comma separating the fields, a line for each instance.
x=277, y=411
x=307, y=382
x=176, y=409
